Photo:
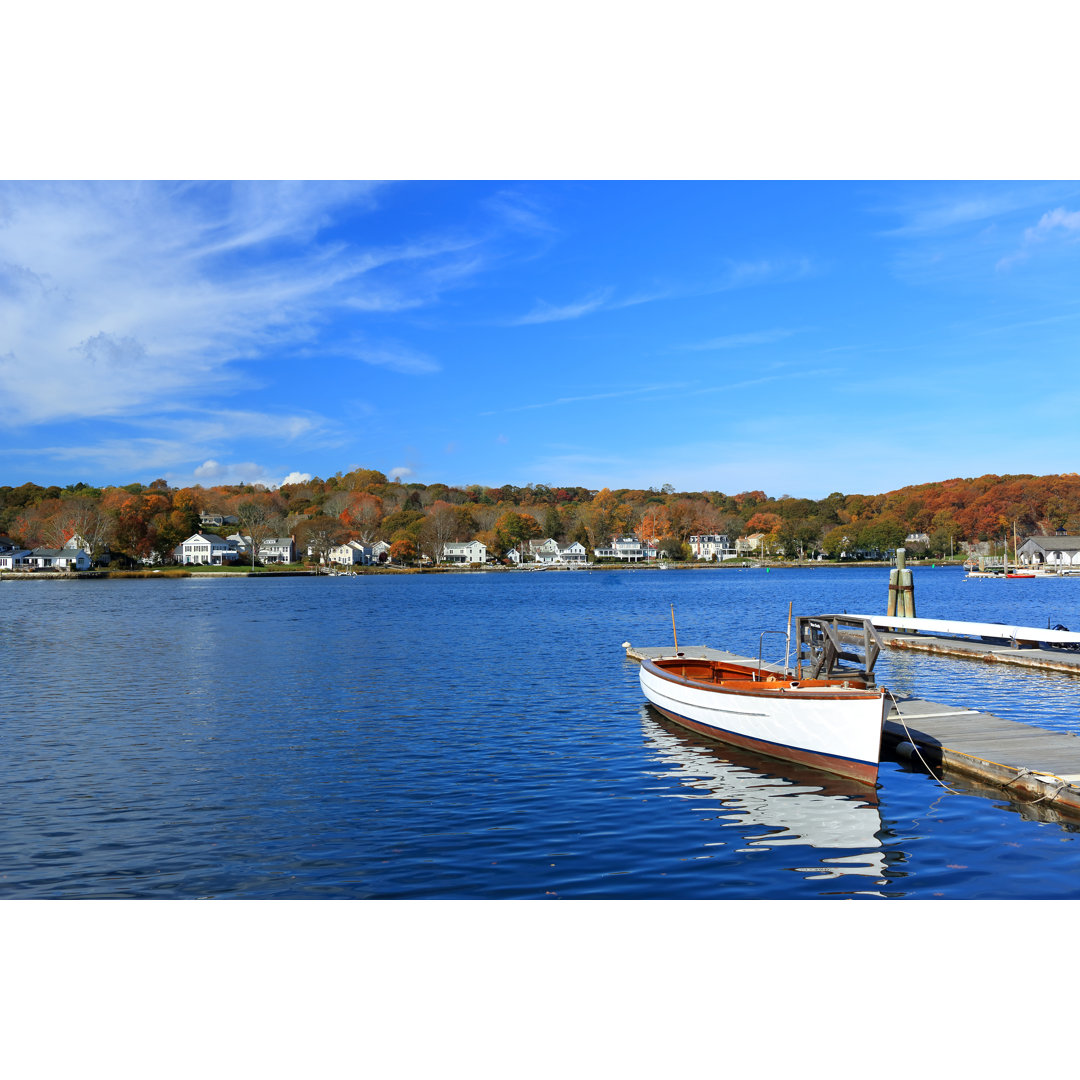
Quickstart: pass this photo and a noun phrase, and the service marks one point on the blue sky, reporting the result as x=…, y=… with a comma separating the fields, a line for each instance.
x=800, y=337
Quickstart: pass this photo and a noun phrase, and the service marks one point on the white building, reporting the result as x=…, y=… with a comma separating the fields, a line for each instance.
x=207, y=549
x=58, y=559
x=14, y=558
x=274, y=549
x=470, y=551
x=1050, y=551
x=574, y=553
x=711, y=546
x=352, y=553
x=627, y=548
x=749, y=545
x=544, y=551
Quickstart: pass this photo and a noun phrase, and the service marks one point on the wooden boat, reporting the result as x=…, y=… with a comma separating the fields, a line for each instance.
x=833, y=724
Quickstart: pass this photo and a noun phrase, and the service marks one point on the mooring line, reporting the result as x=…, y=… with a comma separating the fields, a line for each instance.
x=915, y=745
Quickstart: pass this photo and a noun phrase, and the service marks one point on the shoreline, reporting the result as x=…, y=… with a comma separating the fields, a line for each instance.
x=178, y=572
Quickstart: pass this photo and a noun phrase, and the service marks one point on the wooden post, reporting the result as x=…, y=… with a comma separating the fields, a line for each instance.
x=905, y=588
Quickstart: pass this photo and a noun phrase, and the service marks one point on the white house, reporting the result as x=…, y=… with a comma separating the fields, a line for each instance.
x=710, y=546
x=279, y=549
x=14, y=558
x=574, y=553
x=58, y=559
x=207, y=549
x=544, y=551
x=628, y=548
x=748, y=545
x=471, y=551
x=351, y=553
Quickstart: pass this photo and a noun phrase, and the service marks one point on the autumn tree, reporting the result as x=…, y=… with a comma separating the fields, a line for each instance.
x=258, y=523
x=403, y=548
x=362, y=514
x=605, y=518
x=318, y=535
x=83, y=520
x=515, y=530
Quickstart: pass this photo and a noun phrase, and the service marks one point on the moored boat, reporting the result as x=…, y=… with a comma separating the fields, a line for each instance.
x=833, y=724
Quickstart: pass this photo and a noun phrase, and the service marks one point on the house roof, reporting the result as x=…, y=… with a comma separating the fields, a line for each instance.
x=208, y=538
x=1054, y=543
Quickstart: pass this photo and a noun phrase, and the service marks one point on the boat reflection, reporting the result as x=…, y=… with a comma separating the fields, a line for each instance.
x=775, y=803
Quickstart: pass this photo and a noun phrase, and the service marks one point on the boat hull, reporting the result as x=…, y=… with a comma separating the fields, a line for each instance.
x=828, y=724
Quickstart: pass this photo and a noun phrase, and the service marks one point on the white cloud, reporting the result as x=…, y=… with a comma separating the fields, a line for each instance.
x=212, y=473
x=153, y=282
x=400, y=472
x=544, y=312
x=396, y=357
x=630, y=392
x=1053, y=222
x=738, y=341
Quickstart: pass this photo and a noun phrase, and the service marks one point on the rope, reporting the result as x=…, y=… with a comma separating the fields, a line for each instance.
x=915, y=745
x=1058, y=788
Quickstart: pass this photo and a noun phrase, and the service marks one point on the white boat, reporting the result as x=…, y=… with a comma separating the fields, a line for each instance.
x=833, y=724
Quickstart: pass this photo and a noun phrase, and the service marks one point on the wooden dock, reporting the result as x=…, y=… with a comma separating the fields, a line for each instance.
x=1014, y=760
x=995, y=643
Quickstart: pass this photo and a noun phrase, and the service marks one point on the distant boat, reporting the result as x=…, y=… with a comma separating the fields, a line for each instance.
x=832, y=724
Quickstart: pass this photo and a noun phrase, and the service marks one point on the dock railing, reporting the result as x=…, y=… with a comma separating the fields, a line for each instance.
x=824, y=645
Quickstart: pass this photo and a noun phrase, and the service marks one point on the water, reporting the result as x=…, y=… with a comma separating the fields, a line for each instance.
x=477, y=736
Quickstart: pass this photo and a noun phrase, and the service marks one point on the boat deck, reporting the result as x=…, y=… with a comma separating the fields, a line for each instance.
x=1019, y=761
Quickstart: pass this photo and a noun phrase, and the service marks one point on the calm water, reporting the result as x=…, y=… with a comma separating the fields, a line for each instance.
x=476, y=736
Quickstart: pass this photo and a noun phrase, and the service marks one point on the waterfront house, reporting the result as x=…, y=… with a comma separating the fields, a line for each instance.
x=574, y=553
x=14, y=558
x=274, y=549
x=351, y=553
x=544, y=551
x=749, y=545
x=1050, y=551
x=58, y=559
x=471, y=551
x=710, y=546
x=207, y=549
x=628, y=549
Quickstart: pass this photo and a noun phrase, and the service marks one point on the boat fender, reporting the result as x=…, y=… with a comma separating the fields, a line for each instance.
x=905, y=750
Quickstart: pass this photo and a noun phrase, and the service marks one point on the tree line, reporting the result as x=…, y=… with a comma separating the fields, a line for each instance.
x=137, y=522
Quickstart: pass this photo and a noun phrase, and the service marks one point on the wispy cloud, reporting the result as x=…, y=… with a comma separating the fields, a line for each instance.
x=544, y=312
x=394, y=356
x=739, y=341
x=1055, y=225
x=128, y=298
x=555, y=402
x=735, y=275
